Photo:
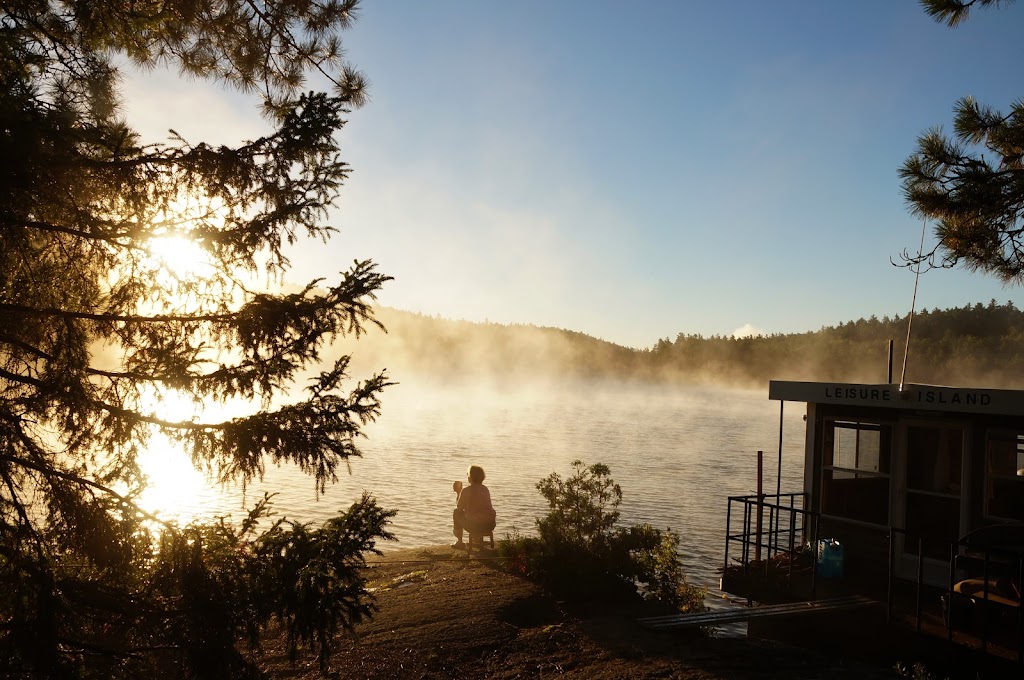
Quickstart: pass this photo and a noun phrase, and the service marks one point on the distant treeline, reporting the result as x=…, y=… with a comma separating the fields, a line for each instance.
x=461, y=350
x=979, y=345
x=972, y=345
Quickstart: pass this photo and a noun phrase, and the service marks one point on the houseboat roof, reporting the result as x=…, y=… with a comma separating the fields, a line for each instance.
x=913, y=397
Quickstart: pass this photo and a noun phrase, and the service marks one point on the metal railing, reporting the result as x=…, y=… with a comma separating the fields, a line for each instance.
x=990, y=558
x=771, y=525
x=788, y=529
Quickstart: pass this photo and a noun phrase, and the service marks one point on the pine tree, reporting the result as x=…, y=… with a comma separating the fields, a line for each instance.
x=972, y=184
x=95, y=327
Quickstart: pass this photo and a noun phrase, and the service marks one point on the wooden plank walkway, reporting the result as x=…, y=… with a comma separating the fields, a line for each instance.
x=742, y=614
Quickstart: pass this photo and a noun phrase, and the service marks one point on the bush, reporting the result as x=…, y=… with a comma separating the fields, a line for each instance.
x=201, y=598
x=581, y=553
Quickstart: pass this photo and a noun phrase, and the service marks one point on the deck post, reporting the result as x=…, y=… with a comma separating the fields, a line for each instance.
x=949, y=593
x=728, y=535
x=747, y=509
x=1020, y=613
x=768, y=546
x=984, y=605
x=920, y=579
x=792, y=538
x=891, y=576
x=814, y=557
x=760, y=504
x=773, y=529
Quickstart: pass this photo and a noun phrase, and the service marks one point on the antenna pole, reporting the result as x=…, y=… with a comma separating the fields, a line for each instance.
x=889, y=374
x=913, y=302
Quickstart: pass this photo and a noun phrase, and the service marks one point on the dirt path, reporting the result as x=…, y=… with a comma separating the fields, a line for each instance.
x=443, y=614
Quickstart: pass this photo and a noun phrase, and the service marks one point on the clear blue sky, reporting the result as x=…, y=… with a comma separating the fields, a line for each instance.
x=636, y=171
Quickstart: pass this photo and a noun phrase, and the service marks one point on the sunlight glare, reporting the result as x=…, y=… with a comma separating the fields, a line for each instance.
x=182, y=257
x=175, y=490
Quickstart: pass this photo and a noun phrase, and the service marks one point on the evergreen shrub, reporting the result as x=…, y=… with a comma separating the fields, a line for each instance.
x=581, y=552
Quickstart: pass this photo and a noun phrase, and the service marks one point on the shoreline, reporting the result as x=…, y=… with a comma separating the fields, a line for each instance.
x=442, y=613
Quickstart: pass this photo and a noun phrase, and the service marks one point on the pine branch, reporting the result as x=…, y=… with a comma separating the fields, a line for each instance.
x=955, y=12
x=114, y=238
x=53, y=312
x=50, y=471
x=21, y=379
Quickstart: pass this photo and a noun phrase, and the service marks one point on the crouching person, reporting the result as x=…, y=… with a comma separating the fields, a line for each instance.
x=473, y=510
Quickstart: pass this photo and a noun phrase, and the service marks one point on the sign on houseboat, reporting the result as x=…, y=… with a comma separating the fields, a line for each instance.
x=912, y=396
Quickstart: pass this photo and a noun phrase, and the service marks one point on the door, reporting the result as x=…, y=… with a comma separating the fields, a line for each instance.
x=929, y=495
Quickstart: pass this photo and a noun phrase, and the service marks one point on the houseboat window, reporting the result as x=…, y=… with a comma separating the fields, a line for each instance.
x=934, y=458
x=855, y=474
x=1004, y=489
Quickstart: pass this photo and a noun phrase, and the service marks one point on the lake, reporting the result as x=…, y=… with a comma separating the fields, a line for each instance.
x=677, y=453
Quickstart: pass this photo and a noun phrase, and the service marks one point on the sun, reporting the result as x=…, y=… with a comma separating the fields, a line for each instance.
x=173, y=249
x=179, y=256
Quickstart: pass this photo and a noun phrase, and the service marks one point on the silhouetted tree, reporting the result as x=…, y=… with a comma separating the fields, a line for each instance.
x=972, y=184
x=96, y=326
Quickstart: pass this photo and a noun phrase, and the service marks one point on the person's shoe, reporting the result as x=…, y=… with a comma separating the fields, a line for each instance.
x=459, y=545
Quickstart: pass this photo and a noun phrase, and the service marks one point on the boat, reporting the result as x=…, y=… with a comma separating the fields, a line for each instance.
x=906, y=488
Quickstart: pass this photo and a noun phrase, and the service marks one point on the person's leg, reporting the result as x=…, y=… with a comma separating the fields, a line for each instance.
x=458, y=526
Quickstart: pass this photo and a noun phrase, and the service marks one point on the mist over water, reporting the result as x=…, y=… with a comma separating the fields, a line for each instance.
x=677, y=452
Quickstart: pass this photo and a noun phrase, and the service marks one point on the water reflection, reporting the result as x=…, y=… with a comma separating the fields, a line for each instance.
x=175, y=490
x=676, y=451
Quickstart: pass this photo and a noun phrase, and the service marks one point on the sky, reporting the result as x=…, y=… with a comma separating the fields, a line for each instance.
x=638, y=171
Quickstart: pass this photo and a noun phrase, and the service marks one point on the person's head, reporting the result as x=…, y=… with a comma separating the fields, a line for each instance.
x=476, y=474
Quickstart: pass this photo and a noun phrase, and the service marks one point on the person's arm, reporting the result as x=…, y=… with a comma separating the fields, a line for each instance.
x=464, y=498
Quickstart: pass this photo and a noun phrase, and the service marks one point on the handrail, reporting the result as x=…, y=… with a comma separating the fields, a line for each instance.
x=785, y=522
x=791, y=526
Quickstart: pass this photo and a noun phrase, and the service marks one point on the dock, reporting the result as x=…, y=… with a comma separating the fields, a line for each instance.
x=744, y=614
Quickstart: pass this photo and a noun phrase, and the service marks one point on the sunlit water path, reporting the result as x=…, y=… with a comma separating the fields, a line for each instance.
x=677, y=452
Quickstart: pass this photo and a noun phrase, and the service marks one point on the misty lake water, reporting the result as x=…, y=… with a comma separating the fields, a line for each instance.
x=677, y=453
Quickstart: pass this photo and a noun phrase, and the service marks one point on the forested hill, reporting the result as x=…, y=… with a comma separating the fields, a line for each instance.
x=979, y=345
x=458, y=350
x=974, y=345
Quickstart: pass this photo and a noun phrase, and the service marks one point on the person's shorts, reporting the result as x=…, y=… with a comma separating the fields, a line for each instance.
x=477, y=525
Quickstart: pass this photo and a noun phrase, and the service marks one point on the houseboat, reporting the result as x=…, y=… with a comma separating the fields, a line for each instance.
x=902, y=484
x=936, y=463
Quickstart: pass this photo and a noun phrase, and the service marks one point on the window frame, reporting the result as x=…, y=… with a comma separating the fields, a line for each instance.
x=886, y=430
x=989, y=476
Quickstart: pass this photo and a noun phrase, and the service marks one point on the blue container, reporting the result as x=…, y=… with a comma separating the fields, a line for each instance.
x=830, y=558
